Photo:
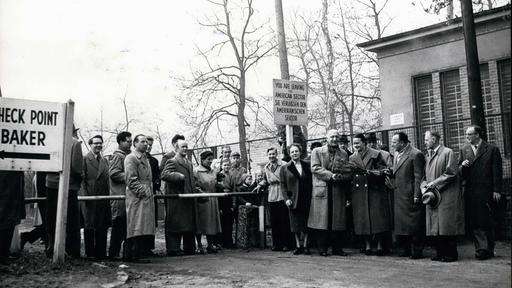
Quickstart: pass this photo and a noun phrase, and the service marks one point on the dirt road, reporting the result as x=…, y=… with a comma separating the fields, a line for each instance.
x=263, y=268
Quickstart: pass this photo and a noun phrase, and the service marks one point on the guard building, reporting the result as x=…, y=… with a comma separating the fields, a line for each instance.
x=423, y=82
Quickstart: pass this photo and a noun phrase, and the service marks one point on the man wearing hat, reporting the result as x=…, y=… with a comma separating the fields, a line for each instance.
x=444, y=220
x=408, y=171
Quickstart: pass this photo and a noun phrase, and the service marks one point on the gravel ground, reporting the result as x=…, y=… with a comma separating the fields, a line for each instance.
x=261, y=268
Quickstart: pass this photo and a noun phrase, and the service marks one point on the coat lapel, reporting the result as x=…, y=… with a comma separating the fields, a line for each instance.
x=356, y=157
x=404, y=157
x=481, y=150
x=293, y=169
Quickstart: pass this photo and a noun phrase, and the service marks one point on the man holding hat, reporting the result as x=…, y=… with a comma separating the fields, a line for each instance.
x=444, y=217
x=408, y=171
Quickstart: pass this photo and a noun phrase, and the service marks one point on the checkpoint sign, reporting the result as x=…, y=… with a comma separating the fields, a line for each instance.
x=31, y=135
x=290, y=103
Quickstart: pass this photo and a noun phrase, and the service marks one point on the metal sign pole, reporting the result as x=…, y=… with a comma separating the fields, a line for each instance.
x=59, y=248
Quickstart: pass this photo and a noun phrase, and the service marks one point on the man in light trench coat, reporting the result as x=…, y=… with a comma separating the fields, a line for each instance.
x=140, y=204
x=444, y=221
x=331, y=183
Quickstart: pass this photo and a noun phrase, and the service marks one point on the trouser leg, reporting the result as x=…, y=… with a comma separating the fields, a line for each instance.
x=101, y=242
x=51, y=215
x=5, y=240
x=322, y=239
x=418, y=243
x=172, y=242
x=274, y=224
x=188, y=242
x=117, y=235
x=89, y=239
x=73, y=225
x=337, y=241
x=483, y=240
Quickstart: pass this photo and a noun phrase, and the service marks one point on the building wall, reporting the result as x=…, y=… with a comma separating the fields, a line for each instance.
x=396, y=71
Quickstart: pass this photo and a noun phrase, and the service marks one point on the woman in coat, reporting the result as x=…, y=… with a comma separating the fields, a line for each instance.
x=208, y=216
x=370, y=200
x=296, y=186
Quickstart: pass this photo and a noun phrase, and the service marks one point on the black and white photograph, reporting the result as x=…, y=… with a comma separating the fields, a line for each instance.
x=255, y=143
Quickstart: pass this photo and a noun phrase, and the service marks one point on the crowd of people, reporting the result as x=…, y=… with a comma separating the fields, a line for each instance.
x=312, y=200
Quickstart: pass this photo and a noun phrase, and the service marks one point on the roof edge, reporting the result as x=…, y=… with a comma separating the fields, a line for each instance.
x=452, y=24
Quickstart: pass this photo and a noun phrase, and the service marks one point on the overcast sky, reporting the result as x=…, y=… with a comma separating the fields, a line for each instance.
x=96, y=51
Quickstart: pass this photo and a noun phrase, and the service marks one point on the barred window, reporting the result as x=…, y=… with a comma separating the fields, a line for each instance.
x=504, y=80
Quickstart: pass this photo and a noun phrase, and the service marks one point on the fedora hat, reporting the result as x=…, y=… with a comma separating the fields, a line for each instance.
x=431, y=196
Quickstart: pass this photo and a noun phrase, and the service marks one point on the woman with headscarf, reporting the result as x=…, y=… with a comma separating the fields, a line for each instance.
x=208, y=216
x=296, y=185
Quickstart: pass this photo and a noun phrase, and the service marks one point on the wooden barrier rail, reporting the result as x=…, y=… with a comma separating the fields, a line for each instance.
x=158, y=196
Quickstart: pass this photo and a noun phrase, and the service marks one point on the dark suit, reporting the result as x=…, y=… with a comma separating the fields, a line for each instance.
x=297, y=188
x=409, y=217
x=482, y=178
x=180, y=220
x=96, y=214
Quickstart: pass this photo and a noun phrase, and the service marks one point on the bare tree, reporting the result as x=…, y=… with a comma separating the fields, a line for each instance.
x=217, y=91
x=342, y=80
x=436, y=6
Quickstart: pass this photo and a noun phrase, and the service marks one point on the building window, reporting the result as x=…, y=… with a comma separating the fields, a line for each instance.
x=490, y=107
x=504, y=80
x=427, y=107
x=453, y=110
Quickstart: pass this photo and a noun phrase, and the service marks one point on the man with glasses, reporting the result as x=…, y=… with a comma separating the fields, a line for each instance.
x=118, y=187
x=482, y=175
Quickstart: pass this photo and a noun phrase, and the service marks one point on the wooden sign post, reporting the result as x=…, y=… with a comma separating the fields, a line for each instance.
x=59, y=248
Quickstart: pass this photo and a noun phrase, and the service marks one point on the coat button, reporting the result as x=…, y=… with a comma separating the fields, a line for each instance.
x=357, y=185
x=365, y=185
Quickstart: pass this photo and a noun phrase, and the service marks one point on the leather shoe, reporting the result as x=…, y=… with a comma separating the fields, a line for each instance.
x=277, y=248
x=368, y=252
x=449, y=259
x=483, y=255
x=339, y=253
x=416, y=256
x=404, y=253
x=379, y=252
x=174, y=253
x=307, y=251
x=298, y=251
x=324, y=254
x=437, y=258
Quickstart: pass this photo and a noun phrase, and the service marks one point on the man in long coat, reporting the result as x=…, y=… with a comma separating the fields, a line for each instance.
x=140, y=203
x=12, y=208
x=445, y=221
x=117, y=183
x=409, y=216
x=180, y=216
x=96, y=214
x=480, y=166
x=331, y=180
x=370, y=200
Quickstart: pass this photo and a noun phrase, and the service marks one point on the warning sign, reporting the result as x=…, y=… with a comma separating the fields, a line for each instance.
x=290, y=103
x=31, y=135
